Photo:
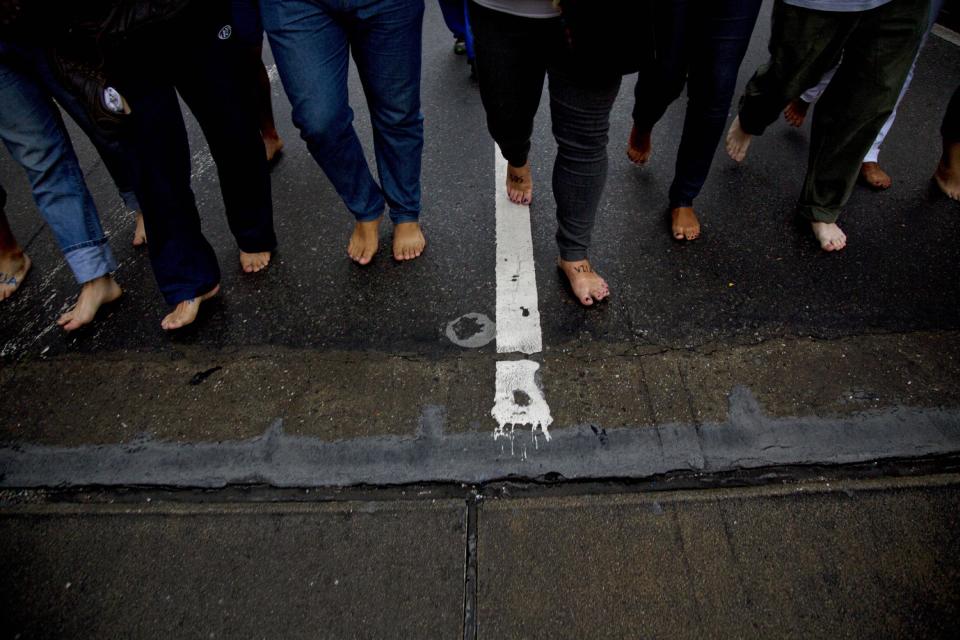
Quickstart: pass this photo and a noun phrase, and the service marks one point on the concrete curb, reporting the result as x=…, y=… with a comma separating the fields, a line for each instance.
x=747, y=439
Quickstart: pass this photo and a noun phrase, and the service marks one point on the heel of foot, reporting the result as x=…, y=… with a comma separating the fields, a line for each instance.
x=948, y=181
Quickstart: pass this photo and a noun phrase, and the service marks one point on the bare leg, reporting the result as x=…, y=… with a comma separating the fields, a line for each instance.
x=519, y=184
x=408, y=241
x=639, y=146
x=93, y=295
x=684, y=223
x=14, y=263
x=738, y=141
x=364, y=241
x=948, y=171
x=186, y=312
x=587, y=286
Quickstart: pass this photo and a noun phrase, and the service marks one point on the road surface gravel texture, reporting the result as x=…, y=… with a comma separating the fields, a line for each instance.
x=749, y=353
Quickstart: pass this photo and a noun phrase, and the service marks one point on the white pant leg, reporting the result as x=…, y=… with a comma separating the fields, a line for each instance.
x=874, y=154
x=810, y=95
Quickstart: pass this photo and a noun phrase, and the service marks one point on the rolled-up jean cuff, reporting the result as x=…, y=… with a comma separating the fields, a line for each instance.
x=130, y=200
x=818, y=214
x=399, y=217
x=91, y=261
x=367, y=217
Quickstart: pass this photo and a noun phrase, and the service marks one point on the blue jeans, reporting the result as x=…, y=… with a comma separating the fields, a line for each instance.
x=311, y=41
x=700, y=45
x=457, y=17
x=116, y=157
x=33, y=132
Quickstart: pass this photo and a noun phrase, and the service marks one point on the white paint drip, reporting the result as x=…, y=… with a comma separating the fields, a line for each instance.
x=518, y=402
x=518, y=316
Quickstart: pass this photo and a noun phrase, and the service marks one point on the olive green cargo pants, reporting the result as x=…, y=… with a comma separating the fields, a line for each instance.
x=875, y=48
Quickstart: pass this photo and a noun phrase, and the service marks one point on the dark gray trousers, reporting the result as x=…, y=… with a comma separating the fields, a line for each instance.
x=513, y=56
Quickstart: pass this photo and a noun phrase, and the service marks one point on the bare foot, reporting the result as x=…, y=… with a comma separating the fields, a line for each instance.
x=273, y=144
x=684, y=223
x=738, y=141
x=186, y=312
x=253, y=262
x=140, y=232
x=947, y=174
x=796, y=112
x=874, y=176
x=13, y=269
x=639, y=147
x=93, y=295
x=364, y=241
x=829, y=235
x=587, y=286
x=519, y=184
x=408, y=241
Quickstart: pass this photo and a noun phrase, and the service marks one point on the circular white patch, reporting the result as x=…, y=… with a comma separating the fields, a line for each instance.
x=472, y=330
x=225, y=32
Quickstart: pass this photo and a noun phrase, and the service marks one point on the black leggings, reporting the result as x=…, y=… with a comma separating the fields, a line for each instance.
x=513, y=56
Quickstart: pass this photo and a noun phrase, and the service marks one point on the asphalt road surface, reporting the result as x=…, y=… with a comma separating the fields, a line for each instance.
x=748, y=354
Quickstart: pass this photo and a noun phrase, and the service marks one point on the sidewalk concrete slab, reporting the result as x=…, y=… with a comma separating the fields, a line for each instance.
x=160, y=571
x=860, y=560
x=306, y=419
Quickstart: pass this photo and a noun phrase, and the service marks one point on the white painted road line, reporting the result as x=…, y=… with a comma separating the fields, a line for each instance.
x=272, y=73
x=519, y=400
x=947, y=34
x=518, y=316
